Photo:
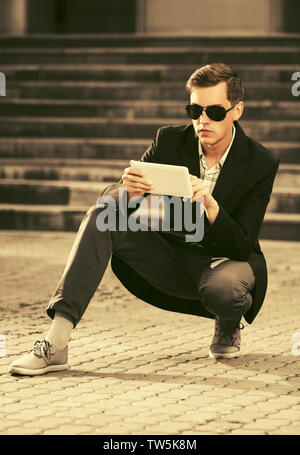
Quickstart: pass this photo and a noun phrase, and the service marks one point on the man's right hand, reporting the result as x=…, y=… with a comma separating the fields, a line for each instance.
x=135, y=183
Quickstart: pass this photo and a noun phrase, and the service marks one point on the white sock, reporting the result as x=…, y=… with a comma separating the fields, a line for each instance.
x=60, y=331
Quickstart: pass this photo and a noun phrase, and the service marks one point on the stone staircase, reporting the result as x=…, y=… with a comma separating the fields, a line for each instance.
x=78, y=108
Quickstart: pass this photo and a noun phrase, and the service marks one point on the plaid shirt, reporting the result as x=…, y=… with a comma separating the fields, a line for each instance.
x=210, y=176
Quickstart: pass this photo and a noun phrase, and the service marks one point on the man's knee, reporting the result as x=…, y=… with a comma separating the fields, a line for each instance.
x=216, y=294
x=225, y=291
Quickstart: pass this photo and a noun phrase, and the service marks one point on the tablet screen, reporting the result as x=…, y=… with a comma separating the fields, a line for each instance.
x=166, y=179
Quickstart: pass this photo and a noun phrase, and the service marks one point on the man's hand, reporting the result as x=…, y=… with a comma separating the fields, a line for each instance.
x=135, y=183
x=210, y=204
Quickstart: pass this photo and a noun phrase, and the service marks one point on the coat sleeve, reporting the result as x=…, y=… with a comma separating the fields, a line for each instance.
x=234, y=235
x=150, y=155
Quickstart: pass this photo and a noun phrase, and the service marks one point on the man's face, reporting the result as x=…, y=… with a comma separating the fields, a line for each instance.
x=210, y=132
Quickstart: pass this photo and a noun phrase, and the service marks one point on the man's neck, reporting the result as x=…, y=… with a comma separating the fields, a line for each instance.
x=216, y=151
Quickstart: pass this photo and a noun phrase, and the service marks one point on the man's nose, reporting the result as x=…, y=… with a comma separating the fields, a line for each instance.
x=203, y=118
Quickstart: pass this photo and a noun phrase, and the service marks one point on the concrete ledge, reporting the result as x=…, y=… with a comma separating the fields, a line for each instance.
x=262, y=130
x=133, y=90
x=20, y=191
x=254, y=110
x=67, y=218
x=138, y=72
x=111, y=148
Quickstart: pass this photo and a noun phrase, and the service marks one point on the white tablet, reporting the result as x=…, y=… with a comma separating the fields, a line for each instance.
x=166, y=179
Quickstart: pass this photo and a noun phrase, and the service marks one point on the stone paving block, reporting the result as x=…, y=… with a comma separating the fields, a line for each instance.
x=196, y=417
x=217, y=392
x=13, y=407
x=216, y=427
x=82, y=412
x=149, y=418
x=18, y=416
x=265, y=424
x=24, y=394
x=290, y=431
x=287, y=414
x=266, y=394
x=67, y=430
x=266, y=407
x=179, y=408
x=289, y=399
x=9, y=424
x=70, y=403
x=201, y=400
x=75, y=398
x=244, y=432
x=21, y=431
x=122, y=428
x=31, y=404
x=113, y=403
x=169, y=428
x=241, y=416
x=155, y=388
x=100, y=420
x=157, y=402
x=121, y=411
x=36, y=413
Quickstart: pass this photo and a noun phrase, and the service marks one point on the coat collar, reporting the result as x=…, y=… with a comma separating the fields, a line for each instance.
x=234, y=167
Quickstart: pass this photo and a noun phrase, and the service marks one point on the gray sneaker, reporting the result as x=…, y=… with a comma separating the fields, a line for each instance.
x=226, y=342
x=41, y=359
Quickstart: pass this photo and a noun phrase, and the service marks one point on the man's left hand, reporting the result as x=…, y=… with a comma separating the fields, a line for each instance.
x=199, y=189
x=210, y=204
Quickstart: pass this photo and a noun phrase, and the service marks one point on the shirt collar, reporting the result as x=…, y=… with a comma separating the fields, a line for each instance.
x=224, y=156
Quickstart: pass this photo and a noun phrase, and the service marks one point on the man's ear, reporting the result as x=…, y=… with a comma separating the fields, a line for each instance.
x=238, y=111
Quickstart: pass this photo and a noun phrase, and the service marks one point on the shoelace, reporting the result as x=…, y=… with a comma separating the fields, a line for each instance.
x=232, y=335
x=42, y=349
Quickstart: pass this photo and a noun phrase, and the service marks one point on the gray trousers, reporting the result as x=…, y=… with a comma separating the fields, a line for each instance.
x=176, y=268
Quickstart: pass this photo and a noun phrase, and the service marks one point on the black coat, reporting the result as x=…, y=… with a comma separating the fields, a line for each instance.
x=242, y=191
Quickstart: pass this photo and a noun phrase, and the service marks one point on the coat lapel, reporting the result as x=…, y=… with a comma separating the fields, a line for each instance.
x=188, y=151
x=233, y=169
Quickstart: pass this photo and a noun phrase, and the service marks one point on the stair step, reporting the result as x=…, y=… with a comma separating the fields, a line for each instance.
x=101, y=90
x=84, y=170
x=20, y=191
x=41, y=217
x=16, y=152
x=264, y=110
x=142, y=40
x=276, y=226
x=148, y=55
x=288, y=176
x=63, y=169
x=138, y=128
x=138, y=72
x=50, y=192
x=285, y=200
x=85, y=148
x=281, y=226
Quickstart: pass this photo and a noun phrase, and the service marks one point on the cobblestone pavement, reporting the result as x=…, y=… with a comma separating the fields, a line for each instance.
x=137, y=369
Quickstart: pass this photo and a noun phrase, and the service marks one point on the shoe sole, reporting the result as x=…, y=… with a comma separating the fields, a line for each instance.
x=24, y=371
x=229, y=355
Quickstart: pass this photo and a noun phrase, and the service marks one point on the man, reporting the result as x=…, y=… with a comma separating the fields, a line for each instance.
x=223, y=276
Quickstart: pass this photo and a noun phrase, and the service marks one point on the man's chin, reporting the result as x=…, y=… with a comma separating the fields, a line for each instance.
x=208, y=142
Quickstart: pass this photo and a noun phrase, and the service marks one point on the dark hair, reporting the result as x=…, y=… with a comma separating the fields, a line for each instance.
x=213, y=74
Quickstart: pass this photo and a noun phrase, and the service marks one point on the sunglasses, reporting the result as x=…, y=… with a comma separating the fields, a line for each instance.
x=216, y=113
